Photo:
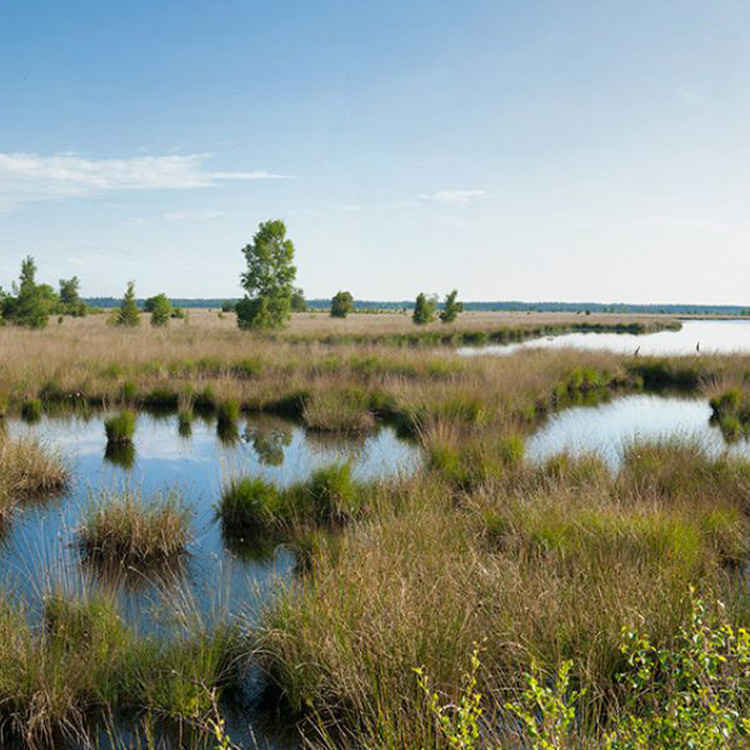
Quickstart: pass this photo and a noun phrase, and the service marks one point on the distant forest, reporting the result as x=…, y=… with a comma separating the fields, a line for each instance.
x=362, y=305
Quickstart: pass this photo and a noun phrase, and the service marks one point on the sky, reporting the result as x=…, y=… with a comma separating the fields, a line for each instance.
x=516, y=150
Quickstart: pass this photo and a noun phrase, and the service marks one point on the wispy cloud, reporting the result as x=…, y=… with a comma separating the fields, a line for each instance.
x=28, y=177
x=452, y=197
x=190, y=215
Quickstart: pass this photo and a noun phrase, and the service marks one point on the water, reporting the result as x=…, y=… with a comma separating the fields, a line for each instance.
x=709, y=336
x=607, y=429
x=220, y=578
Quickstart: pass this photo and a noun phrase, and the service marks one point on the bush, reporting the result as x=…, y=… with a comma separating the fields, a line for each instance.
x=341, y=305
x=451, y=308
x=160, y=309
x=31, y=409
x=425, y=309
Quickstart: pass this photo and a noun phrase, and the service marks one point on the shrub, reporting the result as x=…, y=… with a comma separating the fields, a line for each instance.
x=451, y=308
x=160, y=309
x=120, y=428
x=341, y=305
x=425, y=309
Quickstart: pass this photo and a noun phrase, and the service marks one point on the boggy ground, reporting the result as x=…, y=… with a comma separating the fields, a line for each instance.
x=531, y=563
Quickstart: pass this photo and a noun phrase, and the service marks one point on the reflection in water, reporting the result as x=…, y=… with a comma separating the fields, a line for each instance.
x=696, y=337
x=120, y=454
x=269, y=442
x=41, y=546
x=606, y=430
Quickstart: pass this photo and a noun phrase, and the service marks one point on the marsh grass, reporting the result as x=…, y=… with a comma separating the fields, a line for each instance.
x=120, y=428
x=346, y=412
x=27, y=471
x=542, y=562
x=131, y=529
x=83, y=663
x=253, y=506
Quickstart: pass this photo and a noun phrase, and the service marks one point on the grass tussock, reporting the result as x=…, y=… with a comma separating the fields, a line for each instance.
x=346, y=412
x=120, y=428
x=27, y=470
x=330, y=497
x=130, y=529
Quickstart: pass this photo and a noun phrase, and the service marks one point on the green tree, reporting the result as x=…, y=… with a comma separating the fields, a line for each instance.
x=268, y=281
x=161, y=310
x=298, y=301
x=127, y=313
x=70, y=300
x=31, y=305
x=425, y=309
x=341, y=305
x=451, y=308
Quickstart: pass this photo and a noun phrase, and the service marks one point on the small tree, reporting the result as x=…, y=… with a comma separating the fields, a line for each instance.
x=268, y=280
x=341, y=305
x=298, y=301
x=31, y=306
x=451, y=308
x=227, y=306
x=127, y=314
x=161, y=310
x=425, y=309
x=70, y=300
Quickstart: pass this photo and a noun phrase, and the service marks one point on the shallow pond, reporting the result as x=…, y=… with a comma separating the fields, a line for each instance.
x=705, y=336
x=39, y=545
x=607, y=429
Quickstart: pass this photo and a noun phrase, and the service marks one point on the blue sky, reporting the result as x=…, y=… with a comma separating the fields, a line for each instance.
x=516, y=150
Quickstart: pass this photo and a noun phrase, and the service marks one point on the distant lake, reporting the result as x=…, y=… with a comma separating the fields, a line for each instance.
x=708, y=336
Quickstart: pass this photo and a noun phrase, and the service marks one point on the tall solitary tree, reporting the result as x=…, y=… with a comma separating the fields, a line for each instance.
x=269, y=279
x=128, y=314
x=425, y=309
x=451, y=308
x=341, y=305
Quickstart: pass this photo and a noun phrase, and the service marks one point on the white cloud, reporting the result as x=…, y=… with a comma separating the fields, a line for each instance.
x=452, y=197
x=188, y=215
x=30, y=177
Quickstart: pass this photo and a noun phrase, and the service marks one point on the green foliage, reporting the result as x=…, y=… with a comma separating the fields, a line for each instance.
x=249, y=503
x=425, y=309
x=161, y=310
x=693, y=694
x=268, y=279
x=461, y=723
x=334, y=494
x=120, y=428
x=228, y=306
x=451, y=307
x=70, y=300
x=546, y=712
x=127, y=315
x=341, y=305
x=32, y=303
x=299, y=304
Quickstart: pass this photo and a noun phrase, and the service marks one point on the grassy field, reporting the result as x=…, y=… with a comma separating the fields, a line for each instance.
x=531, y=565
